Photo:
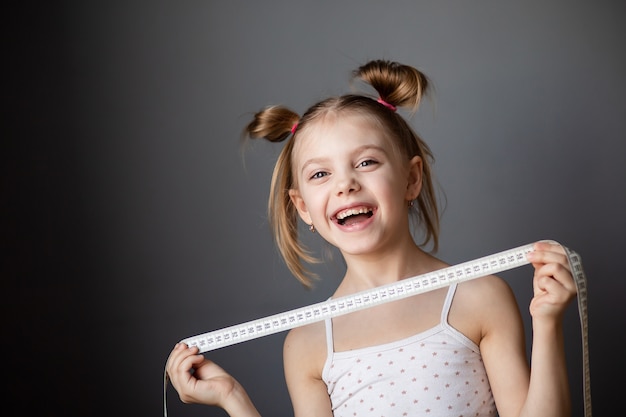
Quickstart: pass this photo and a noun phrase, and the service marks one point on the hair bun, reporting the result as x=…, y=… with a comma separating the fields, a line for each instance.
x=397, y=84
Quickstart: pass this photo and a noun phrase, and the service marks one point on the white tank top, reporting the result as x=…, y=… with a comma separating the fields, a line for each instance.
x=438, y=373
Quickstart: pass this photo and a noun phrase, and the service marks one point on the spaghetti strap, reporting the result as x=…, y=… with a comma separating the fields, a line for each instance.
x=445, y=311
x=330, y=346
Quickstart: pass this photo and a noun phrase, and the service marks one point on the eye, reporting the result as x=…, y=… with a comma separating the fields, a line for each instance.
x=367, y=162
x=318, y=174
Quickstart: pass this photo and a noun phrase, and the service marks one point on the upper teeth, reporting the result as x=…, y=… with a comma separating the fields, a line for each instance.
x=351, y=212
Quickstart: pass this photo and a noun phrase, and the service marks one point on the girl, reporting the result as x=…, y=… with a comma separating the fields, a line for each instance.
x=354, y=171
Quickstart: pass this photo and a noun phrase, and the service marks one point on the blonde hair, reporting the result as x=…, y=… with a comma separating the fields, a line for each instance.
x=397, y=85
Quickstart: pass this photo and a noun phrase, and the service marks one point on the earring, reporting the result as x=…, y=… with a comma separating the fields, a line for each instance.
x=312, y=228
x=410, y=203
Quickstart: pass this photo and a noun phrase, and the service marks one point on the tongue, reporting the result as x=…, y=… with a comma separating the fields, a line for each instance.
x=357, y=218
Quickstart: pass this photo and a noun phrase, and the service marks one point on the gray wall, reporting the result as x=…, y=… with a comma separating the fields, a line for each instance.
x=134, y=221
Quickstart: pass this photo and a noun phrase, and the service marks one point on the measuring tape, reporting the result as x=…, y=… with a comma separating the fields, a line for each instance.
x=466, y=271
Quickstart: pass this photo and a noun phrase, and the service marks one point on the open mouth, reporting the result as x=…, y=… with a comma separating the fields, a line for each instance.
x=354, y=215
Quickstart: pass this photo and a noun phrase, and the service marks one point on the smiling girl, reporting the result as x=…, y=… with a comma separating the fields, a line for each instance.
x=355, y=172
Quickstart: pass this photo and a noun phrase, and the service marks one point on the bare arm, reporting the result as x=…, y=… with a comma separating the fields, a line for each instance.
x=554, y=289
x=542, y=391
x=304, y=355
x=502, y=346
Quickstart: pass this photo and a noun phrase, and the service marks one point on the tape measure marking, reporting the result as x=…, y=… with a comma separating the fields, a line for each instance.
x=466, y=271
x=578, y=273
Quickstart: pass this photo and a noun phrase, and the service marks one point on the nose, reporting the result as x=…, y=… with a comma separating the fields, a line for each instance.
x=347, y=183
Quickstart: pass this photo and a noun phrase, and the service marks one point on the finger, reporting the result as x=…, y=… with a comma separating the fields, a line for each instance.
x=191, y=360
x=174, y=359
x=181, y=361
x=550, y=299
x=176, y=377
x=554, y=273
x=545, y=255
x=549, y=245
x=545, y=285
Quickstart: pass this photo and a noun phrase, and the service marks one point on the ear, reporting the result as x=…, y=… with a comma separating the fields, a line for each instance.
x=298, y=202
x=414, y=178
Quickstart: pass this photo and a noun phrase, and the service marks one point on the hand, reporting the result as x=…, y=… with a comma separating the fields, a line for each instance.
x=197, y=379
x=553, y=283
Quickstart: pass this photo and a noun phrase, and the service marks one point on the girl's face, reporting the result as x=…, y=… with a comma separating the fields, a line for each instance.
x=352, y=185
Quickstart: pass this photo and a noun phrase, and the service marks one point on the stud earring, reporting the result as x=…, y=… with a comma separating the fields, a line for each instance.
x=312, y=228
x=410, y=203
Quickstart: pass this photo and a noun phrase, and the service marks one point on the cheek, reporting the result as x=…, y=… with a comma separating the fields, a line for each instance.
x=315, y=203
x=393, y=191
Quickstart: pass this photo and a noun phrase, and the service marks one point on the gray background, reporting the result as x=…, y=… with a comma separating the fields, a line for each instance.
x=131, y=220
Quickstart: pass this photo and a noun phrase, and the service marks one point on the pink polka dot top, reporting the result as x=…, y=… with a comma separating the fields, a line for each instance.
x=438, y=372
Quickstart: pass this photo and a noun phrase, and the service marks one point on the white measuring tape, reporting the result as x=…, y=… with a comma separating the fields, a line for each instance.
x=466, y=271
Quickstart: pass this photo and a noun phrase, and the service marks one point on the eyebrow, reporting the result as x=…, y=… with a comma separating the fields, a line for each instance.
x=358, y=150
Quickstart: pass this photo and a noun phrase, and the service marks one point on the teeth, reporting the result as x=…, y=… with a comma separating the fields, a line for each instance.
x=351, y=212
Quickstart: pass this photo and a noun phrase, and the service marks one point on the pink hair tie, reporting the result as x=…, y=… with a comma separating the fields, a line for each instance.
x=384, y=103
x=294, y=127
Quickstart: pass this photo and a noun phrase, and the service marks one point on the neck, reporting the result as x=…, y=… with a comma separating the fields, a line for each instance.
x=373, y=270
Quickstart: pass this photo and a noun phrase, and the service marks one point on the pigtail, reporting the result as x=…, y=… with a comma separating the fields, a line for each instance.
x=274, y=123
x=397, y=85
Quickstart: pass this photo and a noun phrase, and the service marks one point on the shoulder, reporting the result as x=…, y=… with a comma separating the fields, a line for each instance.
x=485, y=305
x=305, y=347
x=487, y=290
